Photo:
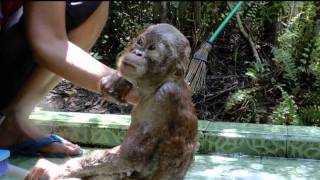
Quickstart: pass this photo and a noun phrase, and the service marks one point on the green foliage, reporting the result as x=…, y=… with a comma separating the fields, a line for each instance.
x=315, y=53
x=242, y=105
x=253, y=13
x=298, y=56
x=293, y=55
x=257, y=13
x=269, y=10
x=312, y=98
x=209, y=18
x=255, y=71
x=305, y=58
x=284, y=61
x=126, y=19
x=310, y=115
x=130, y=17
x=286, y=112
x=315, y=60
x=241, y=96
x=196, y=23
x=96, y=55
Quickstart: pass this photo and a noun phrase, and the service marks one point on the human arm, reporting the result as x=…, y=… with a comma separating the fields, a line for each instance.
x=45, y=30
x=60, y=52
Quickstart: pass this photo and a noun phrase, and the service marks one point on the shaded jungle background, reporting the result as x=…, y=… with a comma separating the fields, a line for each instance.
x=281, y=85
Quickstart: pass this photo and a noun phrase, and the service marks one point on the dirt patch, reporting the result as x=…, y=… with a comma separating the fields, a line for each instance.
x=66, y=97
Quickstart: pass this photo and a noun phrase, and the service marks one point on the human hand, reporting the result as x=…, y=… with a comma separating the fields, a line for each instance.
x=133, y=96
x=115, y=88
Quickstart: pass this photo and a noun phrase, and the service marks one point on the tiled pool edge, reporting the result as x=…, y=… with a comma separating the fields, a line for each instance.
x=221, y=137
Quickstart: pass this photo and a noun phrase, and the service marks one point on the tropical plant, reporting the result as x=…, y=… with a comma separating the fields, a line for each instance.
x=286, y=112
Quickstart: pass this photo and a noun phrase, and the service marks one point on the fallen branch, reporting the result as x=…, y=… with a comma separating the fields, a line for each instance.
x=247, y=36
x=212, y=96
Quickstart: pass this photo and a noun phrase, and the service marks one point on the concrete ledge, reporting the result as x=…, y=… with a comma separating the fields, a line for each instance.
x=222, y=137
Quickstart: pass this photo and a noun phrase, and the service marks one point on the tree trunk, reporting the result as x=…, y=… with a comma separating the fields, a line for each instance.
x=197, y=13
x=182, y=8
x=163, y=12
x=156, y=11
x=270, y=29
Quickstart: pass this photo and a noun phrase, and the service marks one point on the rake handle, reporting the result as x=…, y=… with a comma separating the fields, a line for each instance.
x=224, y=23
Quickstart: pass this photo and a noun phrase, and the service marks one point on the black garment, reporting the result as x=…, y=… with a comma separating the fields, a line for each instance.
x=16, y=60
x=78, y=11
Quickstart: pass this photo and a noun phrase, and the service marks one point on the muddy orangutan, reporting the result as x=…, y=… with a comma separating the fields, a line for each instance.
x=161, y=140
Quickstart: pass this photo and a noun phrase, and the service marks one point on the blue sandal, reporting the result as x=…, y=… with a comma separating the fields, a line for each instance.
x=32, y=147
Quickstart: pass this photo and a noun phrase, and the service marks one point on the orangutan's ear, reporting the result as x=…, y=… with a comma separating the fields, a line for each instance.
x=179, y=70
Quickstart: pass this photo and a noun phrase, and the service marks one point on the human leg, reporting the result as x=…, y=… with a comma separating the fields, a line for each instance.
x=40, y=82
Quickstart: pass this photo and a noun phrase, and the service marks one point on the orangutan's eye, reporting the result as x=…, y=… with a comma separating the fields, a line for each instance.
x=140, y=42
x=152, y=47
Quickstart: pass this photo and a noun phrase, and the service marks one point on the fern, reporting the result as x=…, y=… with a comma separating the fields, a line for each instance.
x=315, y=60
x=254, y=16
x=286, y=112
x=305, y=60
x=312, y=98
x=255, y=71
x=239, y=97
x=310, y=115
x=295, y=54
x=315, y=54
x=284, y=61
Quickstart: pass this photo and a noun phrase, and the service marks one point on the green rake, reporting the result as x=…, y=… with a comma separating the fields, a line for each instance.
x=197, y=69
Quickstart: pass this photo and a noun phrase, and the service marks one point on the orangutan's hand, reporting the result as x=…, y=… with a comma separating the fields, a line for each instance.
x=43, y=170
